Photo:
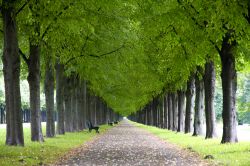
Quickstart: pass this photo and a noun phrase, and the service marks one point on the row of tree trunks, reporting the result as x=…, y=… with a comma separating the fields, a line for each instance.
x=11, y=70
x=78, y=105
x=206, y=88
x=176, y=112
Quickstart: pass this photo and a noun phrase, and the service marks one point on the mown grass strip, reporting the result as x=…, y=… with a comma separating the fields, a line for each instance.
x=224, y=154
x=43, y=153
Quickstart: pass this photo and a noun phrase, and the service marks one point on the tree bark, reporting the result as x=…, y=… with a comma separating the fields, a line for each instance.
x=34, y=86
x=181, y=107
x=209, y=82
x=11, y=70
x=189, y=104
x=68, y=107
x=74, y=105
x=60, y=98
x=80, y=106
x=155, y=112
x=175, y=111
x=229, y=86
x=161, y=112
x=170, y=112
x=166, y=111
x=199, y=107
x=49, y=85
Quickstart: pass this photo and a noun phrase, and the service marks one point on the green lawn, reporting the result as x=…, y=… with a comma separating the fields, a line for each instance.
x=224, y=154
x=42, y=153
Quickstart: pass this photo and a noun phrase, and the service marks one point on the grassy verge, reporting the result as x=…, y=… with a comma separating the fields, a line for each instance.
x=42, y=153
x=224, y=154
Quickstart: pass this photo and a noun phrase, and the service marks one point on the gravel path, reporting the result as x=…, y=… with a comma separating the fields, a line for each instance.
x=127, y=145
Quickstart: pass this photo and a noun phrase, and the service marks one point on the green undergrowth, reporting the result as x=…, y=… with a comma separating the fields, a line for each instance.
x=224, y=154
x=42, y=153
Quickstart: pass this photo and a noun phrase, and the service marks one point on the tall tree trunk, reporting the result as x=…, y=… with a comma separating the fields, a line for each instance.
x=151, y=114
x=170, y=112
x=175, y=111
x=166, y=111
x=60, y=98
x=181, y=107
x=74, y=105
x=229, y=86
x=209, y=82
x=161, y=113
x=199, y=107
x=34, y=85
x=189, y=104
x=11, y=70
x=154, y=109
x=80, y=107
x=49, y=85
x=68, y=107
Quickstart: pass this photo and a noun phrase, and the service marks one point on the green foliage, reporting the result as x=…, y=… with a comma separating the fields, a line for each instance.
x=131, y=51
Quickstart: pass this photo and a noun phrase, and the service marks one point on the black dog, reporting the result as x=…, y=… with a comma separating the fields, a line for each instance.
x=91, y=127
x=115, y=122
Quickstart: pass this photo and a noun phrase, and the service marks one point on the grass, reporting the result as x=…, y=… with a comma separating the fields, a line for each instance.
x=42, y=153
x=224, y=154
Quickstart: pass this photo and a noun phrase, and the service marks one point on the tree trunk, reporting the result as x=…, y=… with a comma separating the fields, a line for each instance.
x=68, y=107
x=151, y=112
x=229, y=86
x=161, y=113
x=170, y=112
x=189, y=104
x=154, y=109
x=74, y=105
x=175, y=111
x=181, y=107
x=166, y=111
x=49, y=85
x=80, y=107
x=11, y=70
x=34, y=85
x=209, y=82
x=59, y=98
x=199, y=107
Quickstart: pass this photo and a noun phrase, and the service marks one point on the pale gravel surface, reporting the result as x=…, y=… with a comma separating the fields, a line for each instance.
x=128, y=145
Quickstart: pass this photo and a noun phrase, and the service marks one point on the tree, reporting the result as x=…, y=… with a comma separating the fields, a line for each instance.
x=11, y=69
x=49, y=84
x=209, y=83
x=199, y=105
x=189, y=104
x=60, y=98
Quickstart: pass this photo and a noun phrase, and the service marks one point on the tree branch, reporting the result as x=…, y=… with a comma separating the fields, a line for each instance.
x=215, y=46
x=199, y=25
x=27, y=61
x=184, y=49
x=93, y=55
x=55, y=19
x=22, y=7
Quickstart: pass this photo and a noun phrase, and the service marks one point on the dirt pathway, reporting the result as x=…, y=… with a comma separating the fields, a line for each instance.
x=127, y=145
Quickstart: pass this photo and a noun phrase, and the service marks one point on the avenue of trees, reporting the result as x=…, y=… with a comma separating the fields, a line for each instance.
x=133, y=55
